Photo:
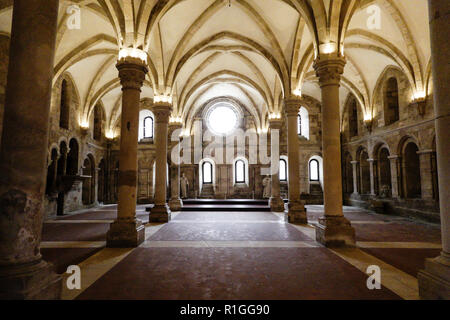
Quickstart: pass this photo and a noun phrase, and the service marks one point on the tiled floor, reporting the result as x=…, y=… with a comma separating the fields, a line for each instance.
x=239, y=255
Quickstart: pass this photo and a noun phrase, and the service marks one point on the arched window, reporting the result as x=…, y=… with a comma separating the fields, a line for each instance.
x=146, y=125
x=240, y=171
x=283, y=170
x=207, y=172
x=303, y=123
x=64, y=111
x=391, y=104
x=72, y=158
x=148, y=128
x=314, y=174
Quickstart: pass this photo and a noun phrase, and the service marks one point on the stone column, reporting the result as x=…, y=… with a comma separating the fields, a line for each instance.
x=127, y=231
x=394, y=161
x=333, y=229
x=161, y=212
x=23, y=153
x=275, y=201
x=372, y=163
x=175, y=203
x=355, y=176
x=434, y=281
x=426, y=178
x=296, y=207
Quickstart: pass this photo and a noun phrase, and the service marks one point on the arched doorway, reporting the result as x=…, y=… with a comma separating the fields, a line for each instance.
x=101, y=186
x=347, y=174
x=364, y=167
x=411, y=171
x=88, y=193
x=384, y=173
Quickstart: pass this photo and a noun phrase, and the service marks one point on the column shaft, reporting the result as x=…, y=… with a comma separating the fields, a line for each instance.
x=161, y=212
x=372, y=163
x=394, y=160
x=355, y=176
x=297, y=211
x=127, y=231
x=426, y=178
x=434, y=281
x=23, y=154
x=333, y=229
x=276, y=203
x=175, y=203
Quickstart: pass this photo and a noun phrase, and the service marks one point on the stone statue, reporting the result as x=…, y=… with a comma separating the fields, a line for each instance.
x=267, y=187
x=184, y=186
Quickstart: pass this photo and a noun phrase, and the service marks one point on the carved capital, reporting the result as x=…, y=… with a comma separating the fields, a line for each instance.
x=162, y=112
x=329, y=71
x=276, y=124
x=131, y=73
x=292, y=106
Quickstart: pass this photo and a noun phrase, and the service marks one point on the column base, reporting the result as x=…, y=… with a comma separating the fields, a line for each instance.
x=335, y=231
x=125, y=233
x=31, y=281
x=434, y=281
x=276, y=204
x=297, y=212
x=160, y=213
x=175, y=204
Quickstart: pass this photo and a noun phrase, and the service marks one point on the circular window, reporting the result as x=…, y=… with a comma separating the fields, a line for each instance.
x=222, y=119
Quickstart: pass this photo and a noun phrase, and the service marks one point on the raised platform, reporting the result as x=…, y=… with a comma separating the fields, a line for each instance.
x=243, y=205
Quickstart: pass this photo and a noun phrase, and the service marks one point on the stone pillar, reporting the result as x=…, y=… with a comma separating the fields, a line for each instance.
x=355, y=177
x=394, y=161
x=426, y=178
x=372, y=163
x=175, y=203
x=333, y=229
x=296, y=207
x=275, y=201
x=127, y=231
x=23, y=153
x=434, y=281
x=161, y=212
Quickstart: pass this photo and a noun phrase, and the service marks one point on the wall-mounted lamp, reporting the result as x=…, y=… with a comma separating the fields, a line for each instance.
x=110, y=135
x=368, y=122
x=419, y=98
x=176, y=120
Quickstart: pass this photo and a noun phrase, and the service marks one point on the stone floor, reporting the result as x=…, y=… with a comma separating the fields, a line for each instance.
x=239, y=255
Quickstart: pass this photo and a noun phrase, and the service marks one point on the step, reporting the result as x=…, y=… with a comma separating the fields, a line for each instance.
x=226, y=207
x=226, y=201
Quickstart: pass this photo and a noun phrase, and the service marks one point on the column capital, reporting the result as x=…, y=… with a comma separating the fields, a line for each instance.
x=354, y=162
x=132, y=73
x=162, y=111
x=371, y=160
x=292, y=106
x=275, y=124
x=394, y=157
x=422, y=152
x=329, y=71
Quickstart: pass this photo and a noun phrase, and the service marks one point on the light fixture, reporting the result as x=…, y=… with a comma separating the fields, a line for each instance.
x=419, y=95
x=368, y=121
x=84, y=125
x=176, y=120
x=297, y=92
x=133, y=53
x=110, y=135
x=419, y=98
x=162, y=99
x=273, y=116
x=327, y=48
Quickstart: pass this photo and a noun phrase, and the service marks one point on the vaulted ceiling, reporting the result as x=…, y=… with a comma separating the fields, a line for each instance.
x=256, y=51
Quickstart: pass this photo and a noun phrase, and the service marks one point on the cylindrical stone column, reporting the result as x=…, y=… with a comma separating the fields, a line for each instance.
x=275, y=201
x=296, y=207
x=127, y=231
x=23, y=154
x=333, y=229
x=434, y=281
x=394, y=161
x=355, y=177
x=175, y=202
x=372, y=163
x=161, y=212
